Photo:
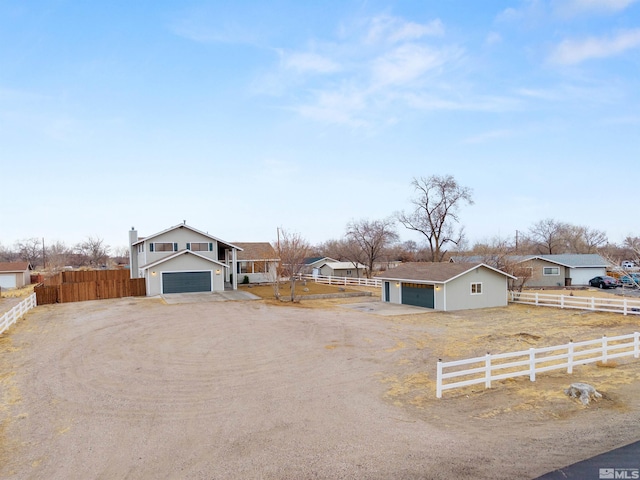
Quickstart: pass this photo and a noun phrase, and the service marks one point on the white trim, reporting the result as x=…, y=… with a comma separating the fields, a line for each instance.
x=177, y=254
x=182, y=225
x=550, y=274
x=183, y=271
x=472, y=284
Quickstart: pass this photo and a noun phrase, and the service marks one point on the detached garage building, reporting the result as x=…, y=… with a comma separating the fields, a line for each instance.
x=15, y=274
x=182, y=259
x=446, y=286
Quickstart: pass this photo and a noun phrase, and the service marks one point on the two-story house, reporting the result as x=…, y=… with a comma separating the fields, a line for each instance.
x=183, y=259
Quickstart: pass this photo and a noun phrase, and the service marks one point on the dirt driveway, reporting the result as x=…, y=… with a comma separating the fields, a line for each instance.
x=138, y=388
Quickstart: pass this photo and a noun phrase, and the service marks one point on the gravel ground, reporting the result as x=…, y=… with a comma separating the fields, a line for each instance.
x=138, y=388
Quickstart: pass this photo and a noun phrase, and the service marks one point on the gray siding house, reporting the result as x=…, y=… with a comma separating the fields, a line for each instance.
x=183, y=259
x=446, y=286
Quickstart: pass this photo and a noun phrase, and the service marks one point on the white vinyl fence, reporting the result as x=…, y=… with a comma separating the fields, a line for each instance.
x=489, y=367
x=623, y=305
x=347, y=281
x=9, y=318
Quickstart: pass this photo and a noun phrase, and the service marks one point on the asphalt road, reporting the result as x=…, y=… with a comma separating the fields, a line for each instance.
x=621, y=463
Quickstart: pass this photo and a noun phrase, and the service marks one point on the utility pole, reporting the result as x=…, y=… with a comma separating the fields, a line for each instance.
x=44, y=256
x=516, y=241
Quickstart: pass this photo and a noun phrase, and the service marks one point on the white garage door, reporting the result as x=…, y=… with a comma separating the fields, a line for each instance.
x=8, y=280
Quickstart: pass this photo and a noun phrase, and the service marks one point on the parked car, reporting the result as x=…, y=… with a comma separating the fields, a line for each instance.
x=628, y=264
x=632, y=279
x=604, y=281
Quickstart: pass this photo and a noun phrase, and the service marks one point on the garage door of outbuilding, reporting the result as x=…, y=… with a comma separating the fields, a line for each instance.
x=8, y=281
x=418, y=294
x=186, y=282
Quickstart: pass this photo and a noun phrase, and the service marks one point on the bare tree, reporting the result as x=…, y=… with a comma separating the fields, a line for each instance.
x=93, y=251
x=58, y=255
x=292, y=250
x=436, y=212
x=370, y=239
x=549, y=236
x=30, y=250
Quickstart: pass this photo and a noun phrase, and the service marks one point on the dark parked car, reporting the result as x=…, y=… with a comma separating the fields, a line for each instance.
x=604, y=282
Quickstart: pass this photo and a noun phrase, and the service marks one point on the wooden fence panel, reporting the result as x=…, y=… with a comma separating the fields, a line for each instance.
x=89, y=285
x=46, y=294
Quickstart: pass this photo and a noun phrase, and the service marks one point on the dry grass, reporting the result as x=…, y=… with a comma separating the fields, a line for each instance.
x=17, y=292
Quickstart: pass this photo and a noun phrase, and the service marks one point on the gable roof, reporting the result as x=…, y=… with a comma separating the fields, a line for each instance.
x=256, y=251
x=342, y=265
x=177, y=254
x=576, y=260
x=312, y=260
x=11, y=267
x=184, y=225
x=571, y=260
x=434, y=272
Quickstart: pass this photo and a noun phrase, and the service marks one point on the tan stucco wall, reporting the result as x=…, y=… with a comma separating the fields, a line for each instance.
x=539, y=280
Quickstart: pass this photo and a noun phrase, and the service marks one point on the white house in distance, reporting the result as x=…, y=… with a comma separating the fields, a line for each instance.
x=183, y=259
x=342, y=269
x=445, y=286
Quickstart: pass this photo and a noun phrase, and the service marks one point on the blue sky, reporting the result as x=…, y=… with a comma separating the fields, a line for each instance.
x=241, y=117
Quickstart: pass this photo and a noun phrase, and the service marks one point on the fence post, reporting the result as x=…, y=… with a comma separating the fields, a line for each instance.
x=487, y=372
x=604, y=349
x=624, y=309
x=536, y=298
x=593, y=303
x=636, y=344
x=570, y=357
x=439, y=379
x=532, y=364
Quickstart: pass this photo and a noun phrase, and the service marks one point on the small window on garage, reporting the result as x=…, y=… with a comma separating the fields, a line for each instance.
x=551, y=271
x=476, y=288
x=349, y=272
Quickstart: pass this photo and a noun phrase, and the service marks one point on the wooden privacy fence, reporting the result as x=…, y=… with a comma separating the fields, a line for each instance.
x=348, y=281
x=624, y=305
x=89, y=285
x=535, y=360
x=9, y=318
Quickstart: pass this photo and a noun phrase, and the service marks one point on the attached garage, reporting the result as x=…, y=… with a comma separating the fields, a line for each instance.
x=184, y=272
x=185, y=282
x=418, y=294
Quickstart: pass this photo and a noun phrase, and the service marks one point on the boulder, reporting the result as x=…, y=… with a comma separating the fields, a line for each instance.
x=583, y=391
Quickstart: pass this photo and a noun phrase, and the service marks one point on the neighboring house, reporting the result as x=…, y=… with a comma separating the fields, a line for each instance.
x=557, y=270
x=563, y=269
x=258, y=261
x=312, y=264
x=342, y=269
x=15, y=274
x=445, y=286
x=182, y=259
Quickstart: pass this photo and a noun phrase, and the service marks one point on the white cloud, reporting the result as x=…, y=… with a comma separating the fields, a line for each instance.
x=570, y=52
x=385, y=28
x=493, y=38
x=406, y=64
x=309, y=62
x=573, y=7
x=335, y=107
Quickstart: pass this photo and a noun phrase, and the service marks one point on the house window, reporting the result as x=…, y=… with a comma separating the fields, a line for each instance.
x=349, y=272
x=163, y=247
x=551, y=271
x=200, y=246
x=476, y=289
x=141, y=248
